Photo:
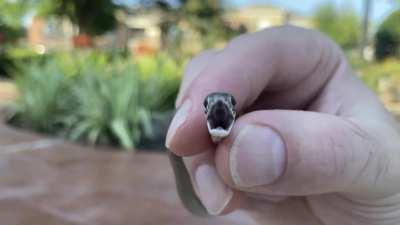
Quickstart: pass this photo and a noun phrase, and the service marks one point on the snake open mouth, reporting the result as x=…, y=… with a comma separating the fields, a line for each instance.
x=220, y=121
x=218, y=133
x=219, y=108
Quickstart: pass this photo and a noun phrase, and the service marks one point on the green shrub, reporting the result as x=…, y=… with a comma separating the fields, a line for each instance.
x=43, y=97
x=91, y=98
x=160, y=77
x=387, y=38
x=6, y=64
x=24, y=54
x=108, y=107
x=388, y=70
x=12, y=57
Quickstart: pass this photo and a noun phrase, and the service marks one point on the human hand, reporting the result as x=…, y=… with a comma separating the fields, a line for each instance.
x=309, y=132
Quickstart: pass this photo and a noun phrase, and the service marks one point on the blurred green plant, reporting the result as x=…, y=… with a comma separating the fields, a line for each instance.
x=342, y=25
x=11, y=14
x=374, y=73
x=387, y=38
x=383, y=77
x=160, y=79
x=10, y=34
x=108, y=106
x=6, y=63
x=13, y=56
x=355, y=60
x=92, y=98
x=43, y=92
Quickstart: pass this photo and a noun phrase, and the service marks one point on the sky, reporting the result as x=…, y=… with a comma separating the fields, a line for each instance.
x=380, y=9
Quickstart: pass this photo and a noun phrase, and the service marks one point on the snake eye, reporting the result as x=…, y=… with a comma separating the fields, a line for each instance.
x=233, y=101
x=205, y=104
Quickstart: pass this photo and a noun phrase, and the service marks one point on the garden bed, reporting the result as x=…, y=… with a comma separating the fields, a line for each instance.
x=93, y=98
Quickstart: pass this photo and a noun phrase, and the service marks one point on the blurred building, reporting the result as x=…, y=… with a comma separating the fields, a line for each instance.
x=44, y=34
x=140, y=29
x=255, y=18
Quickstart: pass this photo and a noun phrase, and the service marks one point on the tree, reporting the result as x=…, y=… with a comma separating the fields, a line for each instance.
x=92, y=17
x=341, y=26
x=11, y=14
x=387, y=38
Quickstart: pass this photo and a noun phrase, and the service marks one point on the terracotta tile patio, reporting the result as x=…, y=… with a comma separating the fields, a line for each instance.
x=49, y=181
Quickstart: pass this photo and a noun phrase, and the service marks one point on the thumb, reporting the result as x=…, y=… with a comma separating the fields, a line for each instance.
x=282, y=152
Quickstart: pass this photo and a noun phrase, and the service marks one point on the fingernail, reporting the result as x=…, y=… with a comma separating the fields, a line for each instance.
x=178, y=120
x=214, y=194
x=257, y=156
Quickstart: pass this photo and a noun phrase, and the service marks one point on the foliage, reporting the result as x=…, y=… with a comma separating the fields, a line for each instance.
x=43, y=94
x=387, y=38
x=341, y=25
x=6, y=63
x=160, y=75
x=11, y=15
x=108, y=106
x=12, y=12
x=383, y=77
x=10, y=33
x=94, y=98
x=355, y=60
x=375, y=73
x=93, y=17
x=14, y=56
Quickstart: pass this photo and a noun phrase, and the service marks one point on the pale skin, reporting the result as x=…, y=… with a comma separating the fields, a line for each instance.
x=311, y=143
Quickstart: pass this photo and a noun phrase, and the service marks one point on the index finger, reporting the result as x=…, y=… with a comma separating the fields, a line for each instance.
x=291, y=63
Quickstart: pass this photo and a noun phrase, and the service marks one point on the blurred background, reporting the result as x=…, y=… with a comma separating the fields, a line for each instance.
x=106, y=73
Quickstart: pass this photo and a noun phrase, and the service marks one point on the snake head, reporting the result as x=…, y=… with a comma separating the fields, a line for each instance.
x=219, y=109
